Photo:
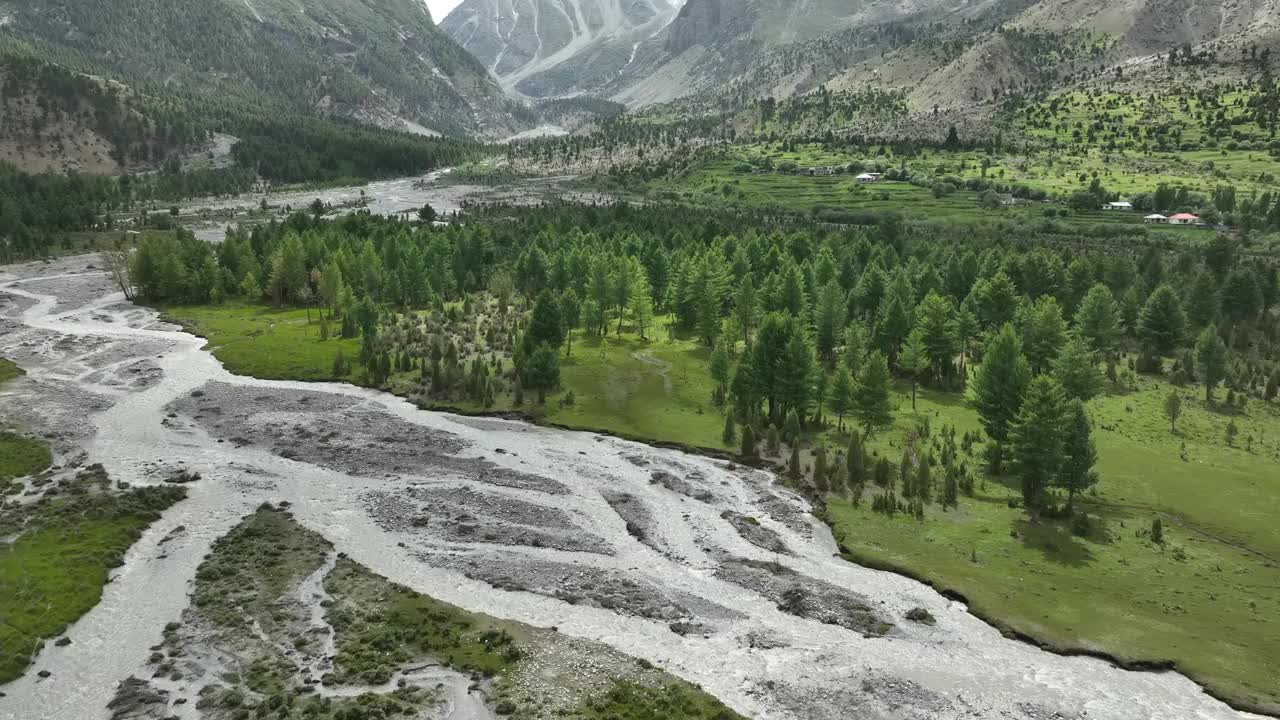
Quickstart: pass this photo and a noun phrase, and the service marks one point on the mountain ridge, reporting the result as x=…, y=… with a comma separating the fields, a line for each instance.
x=381, y=62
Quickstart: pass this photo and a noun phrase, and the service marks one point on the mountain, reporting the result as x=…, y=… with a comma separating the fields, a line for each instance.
x=941, y=54
x=713, y=43
x=557, y=48
x=376, y=61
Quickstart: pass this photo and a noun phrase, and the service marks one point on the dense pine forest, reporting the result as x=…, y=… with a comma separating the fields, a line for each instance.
x=799, y=310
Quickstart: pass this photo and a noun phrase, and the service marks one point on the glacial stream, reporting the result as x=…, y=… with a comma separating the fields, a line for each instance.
x=714, y=573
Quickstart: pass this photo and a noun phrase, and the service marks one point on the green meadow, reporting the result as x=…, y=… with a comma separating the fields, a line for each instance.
x=57, y=555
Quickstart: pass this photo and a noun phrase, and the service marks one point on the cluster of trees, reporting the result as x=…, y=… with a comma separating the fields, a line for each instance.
x=295, y=149
x=806, y=329
x=1237, y=115
x=896, y=290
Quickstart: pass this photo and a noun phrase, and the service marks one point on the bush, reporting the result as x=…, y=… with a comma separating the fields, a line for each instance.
x=1081, y=524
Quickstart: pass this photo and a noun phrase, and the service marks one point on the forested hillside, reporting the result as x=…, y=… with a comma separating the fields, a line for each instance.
x=380, y=62
x=54, y=119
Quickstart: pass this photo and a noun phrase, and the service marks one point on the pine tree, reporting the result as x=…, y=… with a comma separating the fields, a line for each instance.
x=936, y=333
x=708, y=314
x=884, y=472
x=791, y=428
x=1077, y=370
x=829, y=319
x=1204, y=301
x=907, y=474
x=1043, y=332
x=719, y=368
x=542, y=370
x=546, y=326
x=871, y=395
x=730, y=434
x=796, y=383
x=793, y=466
x=950, y=491
x=856, y=460
x=894, y=324
x=995, y=300
x=748, y=441
x=774, y=442
x=1079, y=454
x=1162, y=323
x=914, y=360
x=1098, y=320
x=820, y=469
x=1036, y=440
x=1211, y=360
x=1001, y=384
x=924, y=480
x=841, y=395
x=1242, y=298
x=855, y=347
x=838, y=476
x=641, y=304
x=747, y=308
x=743, y=390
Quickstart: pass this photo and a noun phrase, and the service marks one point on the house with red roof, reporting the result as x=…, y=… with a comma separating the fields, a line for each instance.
x=1184, y=219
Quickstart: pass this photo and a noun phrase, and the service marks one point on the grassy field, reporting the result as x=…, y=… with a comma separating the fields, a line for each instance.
x=20, y=456
x=265, y=341
x=1207, y=599
x=9, y=370
x=1059, y=173
x=656, y=389
x=54, y=570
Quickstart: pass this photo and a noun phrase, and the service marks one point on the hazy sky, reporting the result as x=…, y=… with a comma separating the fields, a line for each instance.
x=440, y=8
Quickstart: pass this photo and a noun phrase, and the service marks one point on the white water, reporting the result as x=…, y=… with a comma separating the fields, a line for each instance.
x=962, y=668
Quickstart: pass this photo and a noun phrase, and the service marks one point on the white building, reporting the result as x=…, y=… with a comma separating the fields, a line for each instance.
x=1118, y=206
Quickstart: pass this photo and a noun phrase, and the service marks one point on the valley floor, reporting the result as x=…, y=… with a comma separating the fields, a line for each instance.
x=713, y=573
x=1206, y=600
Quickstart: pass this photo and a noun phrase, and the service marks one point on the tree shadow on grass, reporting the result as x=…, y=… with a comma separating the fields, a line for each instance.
x=1055, y=542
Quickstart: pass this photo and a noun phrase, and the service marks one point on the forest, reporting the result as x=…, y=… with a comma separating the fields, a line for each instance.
x=802, y=313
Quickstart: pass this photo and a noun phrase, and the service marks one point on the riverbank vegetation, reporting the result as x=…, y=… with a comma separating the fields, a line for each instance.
x=382, y=635
x=57, y=553
x=1073, y=416
x=20, y=455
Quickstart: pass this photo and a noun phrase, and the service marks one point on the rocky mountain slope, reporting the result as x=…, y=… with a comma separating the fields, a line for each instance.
x=378, y=61
x=945, y=53
x=722, y=46
x=558, y=48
